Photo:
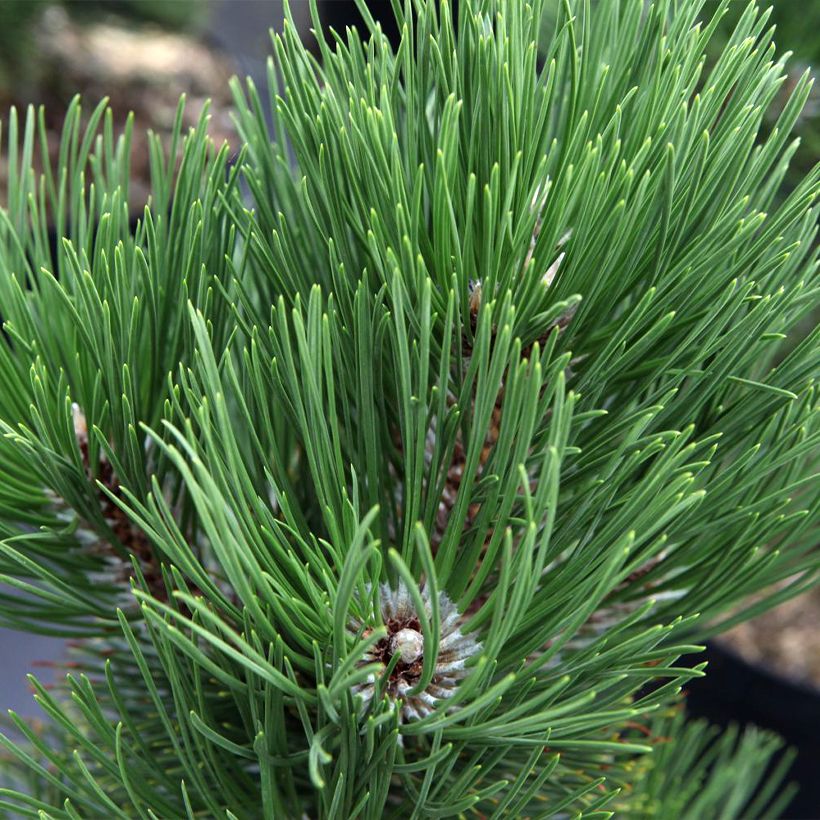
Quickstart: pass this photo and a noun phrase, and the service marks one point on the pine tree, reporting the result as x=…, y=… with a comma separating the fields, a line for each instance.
x=388, y=468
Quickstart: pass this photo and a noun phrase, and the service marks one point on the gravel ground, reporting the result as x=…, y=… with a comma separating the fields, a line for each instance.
x=785, y=640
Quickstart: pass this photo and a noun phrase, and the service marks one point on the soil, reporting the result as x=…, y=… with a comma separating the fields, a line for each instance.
x=141, y=68
x=785, y=640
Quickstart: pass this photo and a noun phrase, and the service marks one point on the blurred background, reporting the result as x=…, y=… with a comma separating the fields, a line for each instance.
x=143, y=54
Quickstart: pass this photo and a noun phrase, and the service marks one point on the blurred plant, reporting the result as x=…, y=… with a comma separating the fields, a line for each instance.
x=695, y=771
x=796, y=29
x=175, y=14
x=20, y=70
x=17, y=58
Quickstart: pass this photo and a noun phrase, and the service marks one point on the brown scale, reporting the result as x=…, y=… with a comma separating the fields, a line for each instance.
x=455, y=473
x=127, y=533
x=643, y=570
x=562, y=322
x=130, y=535
x=640, y=573
x=610, y=610
x=455, y=477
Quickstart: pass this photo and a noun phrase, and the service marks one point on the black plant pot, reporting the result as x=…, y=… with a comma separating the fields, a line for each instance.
x=735, y=691
x=338, y=14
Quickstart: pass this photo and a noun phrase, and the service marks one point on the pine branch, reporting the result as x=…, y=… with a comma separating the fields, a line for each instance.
x=429, y=435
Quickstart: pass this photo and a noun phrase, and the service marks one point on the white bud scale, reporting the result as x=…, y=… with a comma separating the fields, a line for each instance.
x=405, y=637
x=409, y=644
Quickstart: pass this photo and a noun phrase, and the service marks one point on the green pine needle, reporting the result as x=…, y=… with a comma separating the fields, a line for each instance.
x=500, y=328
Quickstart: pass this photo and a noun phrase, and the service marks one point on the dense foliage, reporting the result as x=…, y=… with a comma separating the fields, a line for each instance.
x=486, y=341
